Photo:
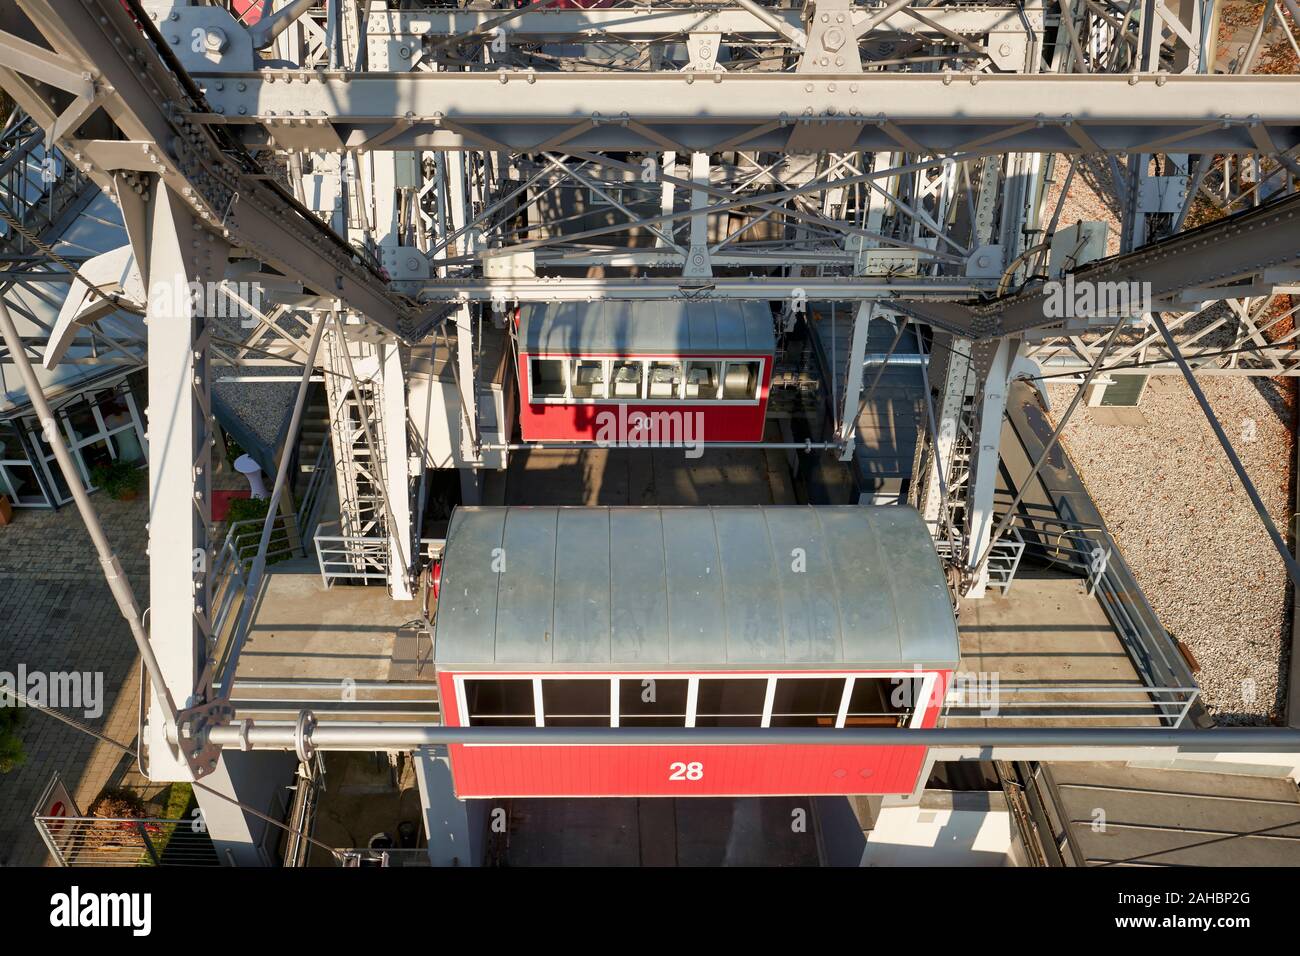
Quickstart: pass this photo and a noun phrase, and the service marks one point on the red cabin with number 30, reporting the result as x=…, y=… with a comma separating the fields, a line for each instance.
x=756, y=617
x=645, y=373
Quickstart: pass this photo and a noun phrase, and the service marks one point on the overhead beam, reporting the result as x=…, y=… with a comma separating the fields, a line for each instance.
x=525, y=110
x=1233, y=248
x=654, y=23
x=227, y=193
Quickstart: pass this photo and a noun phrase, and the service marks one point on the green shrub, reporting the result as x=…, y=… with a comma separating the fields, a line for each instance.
x=119, y=478
x=233, y=450
x=246, y=509
x=11, y=746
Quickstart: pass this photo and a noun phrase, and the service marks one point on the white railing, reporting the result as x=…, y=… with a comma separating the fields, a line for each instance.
x=1091, y=552
x=978, y=697
x=1004, y=556
x=350, y=557
x=229, y=581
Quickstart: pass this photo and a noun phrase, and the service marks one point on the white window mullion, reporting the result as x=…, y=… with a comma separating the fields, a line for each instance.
x=461, y=707
x=538, y=717
x=844, y=702
x=768, y=700
x=692, y=695
x=613, y=702
x=919, y=707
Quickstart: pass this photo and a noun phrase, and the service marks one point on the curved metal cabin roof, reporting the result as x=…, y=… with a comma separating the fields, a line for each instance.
x=646, y=328
x=688, y=588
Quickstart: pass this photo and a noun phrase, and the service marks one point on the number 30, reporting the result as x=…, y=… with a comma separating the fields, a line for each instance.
x=686, y=771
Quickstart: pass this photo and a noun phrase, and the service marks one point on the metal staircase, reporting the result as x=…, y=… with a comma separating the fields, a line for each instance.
x=38, y=188
x=360, y=549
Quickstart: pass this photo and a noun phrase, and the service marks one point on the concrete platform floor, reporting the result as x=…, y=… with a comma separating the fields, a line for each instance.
x=1121, y=815
x=302, y=630
x=1047, y=630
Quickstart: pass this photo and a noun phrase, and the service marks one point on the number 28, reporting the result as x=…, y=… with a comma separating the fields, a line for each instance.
x=686, y=771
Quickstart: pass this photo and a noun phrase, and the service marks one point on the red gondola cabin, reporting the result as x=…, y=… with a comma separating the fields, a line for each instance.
x=645, y=372
x=691, y=617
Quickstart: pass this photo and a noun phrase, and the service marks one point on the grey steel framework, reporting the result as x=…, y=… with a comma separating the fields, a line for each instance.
x=402, y=179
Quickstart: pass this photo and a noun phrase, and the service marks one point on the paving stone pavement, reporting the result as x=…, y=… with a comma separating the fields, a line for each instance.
x=57, y=614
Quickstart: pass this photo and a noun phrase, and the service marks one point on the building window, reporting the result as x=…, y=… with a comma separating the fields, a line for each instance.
x=807, y=701
x=576, y=702
x=548, y=378
x=652, y=702
x=883, y=701
x=18, y=478
x=500, y=703
x=627, y=379
x=741, y=380
x=730, y=702
x=588, y=378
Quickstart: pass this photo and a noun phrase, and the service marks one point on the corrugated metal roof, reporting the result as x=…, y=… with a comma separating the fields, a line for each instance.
x=683, y=588
x=643, y=328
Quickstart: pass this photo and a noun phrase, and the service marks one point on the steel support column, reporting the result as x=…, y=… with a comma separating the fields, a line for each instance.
x=178, y=250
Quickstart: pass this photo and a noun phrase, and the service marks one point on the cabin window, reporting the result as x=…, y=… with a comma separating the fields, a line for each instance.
x=548, y=378
x=883, y=701
x=652, y=702
x=576, y=702
x=587, y=378
x=664, y=379
x=626, y=379
x=500, y=703
x=807, y=701
x=702, y=380
x=730, y=702
x=740, y=381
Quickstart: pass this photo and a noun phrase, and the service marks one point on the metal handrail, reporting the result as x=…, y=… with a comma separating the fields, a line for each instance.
x=348, y=557
x=1091, y=550
x=126, y=841
x=313, y=497
x=1169, y=705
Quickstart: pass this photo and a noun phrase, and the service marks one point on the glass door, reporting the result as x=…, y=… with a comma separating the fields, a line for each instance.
x=17, y=474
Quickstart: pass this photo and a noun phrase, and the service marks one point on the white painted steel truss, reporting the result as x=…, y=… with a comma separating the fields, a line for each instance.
x=417, y=172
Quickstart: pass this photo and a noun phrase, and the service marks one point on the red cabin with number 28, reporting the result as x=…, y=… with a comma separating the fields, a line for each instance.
x=755, y=617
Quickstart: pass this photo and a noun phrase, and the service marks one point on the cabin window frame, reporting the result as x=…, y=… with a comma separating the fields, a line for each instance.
x=928, y=679
x=683, y=362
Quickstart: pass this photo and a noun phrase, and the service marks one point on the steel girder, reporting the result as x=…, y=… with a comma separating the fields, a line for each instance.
x=655, y=23
x=148, y=98
x=948, y=114
x=1236, y=248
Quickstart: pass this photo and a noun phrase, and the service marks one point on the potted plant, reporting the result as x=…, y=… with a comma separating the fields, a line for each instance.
x=120, y=479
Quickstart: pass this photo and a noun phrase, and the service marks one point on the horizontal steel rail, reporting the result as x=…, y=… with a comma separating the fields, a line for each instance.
x=942, y=113
x=329, y=736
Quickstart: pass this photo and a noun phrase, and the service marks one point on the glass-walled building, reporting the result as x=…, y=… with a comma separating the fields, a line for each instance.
x=100, y=424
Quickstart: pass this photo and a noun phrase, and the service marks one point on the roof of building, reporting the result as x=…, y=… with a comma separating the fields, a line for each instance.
x=34, y=307
x=850, y=587
x=646, y=328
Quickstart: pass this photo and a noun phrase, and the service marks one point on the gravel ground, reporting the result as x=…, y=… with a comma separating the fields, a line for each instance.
x=1189, y=532
x=263, y=408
